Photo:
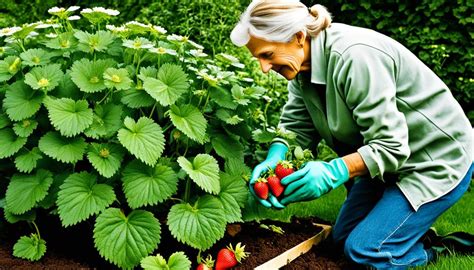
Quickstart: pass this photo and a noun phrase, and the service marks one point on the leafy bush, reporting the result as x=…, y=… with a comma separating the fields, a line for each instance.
x=124, y=125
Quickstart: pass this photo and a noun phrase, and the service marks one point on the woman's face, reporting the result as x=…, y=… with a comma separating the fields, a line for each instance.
x=285, y=58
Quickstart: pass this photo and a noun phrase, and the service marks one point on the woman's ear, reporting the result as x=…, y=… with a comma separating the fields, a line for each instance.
x=300, y=38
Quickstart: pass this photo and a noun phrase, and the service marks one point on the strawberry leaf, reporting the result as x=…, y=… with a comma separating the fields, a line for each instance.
x=35, y=57
x=21, y=101
x=169, y=86
x=31, y=248
x=204, y=171
x=67, y=150
x=144, y=185
x=233, y=196
x=227, y=147
x=68, y=116
x=117, y=78
x=24, y=191
x=80, y=197
x=45, y=78
x=125, y=240
x=177, y=261
x=190, y=121
x=227, y=117
x=88, y=75
x=97, y=42
x=12, y=218
x=9, y=67
x=25, y=127
x=144, y=139
x=105, y=158
x=106, y=121
x=136, y=98
x=26, y=161
x=199, y=226
x=10, y=142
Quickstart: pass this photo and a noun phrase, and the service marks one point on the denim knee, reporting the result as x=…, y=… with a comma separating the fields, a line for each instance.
x=360, y=249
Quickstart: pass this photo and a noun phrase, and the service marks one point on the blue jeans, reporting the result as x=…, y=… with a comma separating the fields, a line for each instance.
x=378, y=227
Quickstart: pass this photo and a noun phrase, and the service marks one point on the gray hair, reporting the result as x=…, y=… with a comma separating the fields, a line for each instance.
x=279, y=21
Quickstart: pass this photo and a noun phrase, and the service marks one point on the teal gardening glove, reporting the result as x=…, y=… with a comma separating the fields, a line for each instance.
x=276, y=152
x=313, y=180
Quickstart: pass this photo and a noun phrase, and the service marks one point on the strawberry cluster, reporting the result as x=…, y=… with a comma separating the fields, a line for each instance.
x=270, y=181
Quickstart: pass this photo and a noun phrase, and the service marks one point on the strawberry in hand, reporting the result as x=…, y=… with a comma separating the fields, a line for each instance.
x=261, y=188
x=283, y=169
x=230, y=257
x=274, y=184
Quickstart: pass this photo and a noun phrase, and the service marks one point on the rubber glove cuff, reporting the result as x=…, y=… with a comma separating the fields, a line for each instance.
x=339, y=171
x=277, y=152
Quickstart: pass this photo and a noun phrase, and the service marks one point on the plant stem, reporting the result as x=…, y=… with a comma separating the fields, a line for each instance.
x=152, y=110
x=187, y=191
x=37, y=230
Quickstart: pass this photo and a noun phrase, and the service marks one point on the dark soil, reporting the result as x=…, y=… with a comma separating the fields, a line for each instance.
x=73, y=248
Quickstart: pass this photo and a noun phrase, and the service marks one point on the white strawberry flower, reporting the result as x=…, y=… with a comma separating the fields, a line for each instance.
x=73, y=8
x=197, y=53
x=74, y=18
x=51, y=35
x=159, y=29
x=8, y=31
x=162, y=50
x=118, y=29
x=56, y=10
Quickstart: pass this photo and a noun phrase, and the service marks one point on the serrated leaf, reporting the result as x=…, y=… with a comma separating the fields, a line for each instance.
x=80, y=196
x=222, y=97
x=263, y=136
x=239, y=95
x=50, y=199
x=12, y=218
x=136, y=98
x=107, y=120
x=64, y=41
x=24, y=191
x=98, y=41
x=171, y=83
x=204, y=171
x=9, y=67
x=88, y=75
x=31, y=248
x=21, y=101
x=4, y=120
x=227, y=117
x=236, y=187
x=227, y=147
x=105, y=158
x=68, y=150
x=35, y=57
x=199, y=226
x=125, y=240
x=117, y=78
x=146, y=72
x=144, y=139
x=10, y=142
x=67, y=88
x=25, y=162
x=144, y=185
x=68, y=116
x=190, y=121
x=45, y=78
x=237, y=167
x=25, y=127
x=177, y=261
x=255, y=92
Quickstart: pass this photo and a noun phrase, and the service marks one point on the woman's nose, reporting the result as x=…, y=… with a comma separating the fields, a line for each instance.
x=265, y=65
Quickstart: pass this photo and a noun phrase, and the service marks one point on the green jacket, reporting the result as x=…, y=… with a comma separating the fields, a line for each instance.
x=368, y=93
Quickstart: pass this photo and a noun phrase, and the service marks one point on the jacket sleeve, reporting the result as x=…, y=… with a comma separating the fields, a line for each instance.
x=366, y=78
x=295, y=117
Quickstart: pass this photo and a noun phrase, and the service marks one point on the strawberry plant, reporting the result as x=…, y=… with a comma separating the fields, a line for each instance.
x=124, y=126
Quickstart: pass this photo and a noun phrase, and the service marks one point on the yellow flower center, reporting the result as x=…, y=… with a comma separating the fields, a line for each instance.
x=43, y=82
x=116, y=79
x=26, y=123
x=137, y=44
x=104, y=152
x=161, y=50
x=36, y=60
x=94, y=79
x=13, y=68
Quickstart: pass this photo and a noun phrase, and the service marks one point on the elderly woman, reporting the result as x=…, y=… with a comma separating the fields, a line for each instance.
x=401, y=136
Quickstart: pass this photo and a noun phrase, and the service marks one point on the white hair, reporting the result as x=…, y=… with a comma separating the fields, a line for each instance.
x=279, y=21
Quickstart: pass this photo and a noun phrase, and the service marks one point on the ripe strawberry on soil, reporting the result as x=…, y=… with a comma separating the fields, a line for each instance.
x=230, y=257
x=283, y=169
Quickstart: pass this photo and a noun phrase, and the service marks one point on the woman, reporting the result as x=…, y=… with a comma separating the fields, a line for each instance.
x=401, y=135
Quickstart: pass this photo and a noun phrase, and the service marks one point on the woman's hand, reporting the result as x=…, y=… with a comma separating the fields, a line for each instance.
x=276, y=152
x=313, y=180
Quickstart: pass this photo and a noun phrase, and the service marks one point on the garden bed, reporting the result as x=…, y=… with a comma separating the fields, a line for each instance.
x=263, y=245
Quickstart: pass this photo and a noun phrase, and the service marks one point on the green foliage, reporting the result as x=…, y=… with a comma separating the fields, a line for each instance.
x=177, y=261
x=122, y=126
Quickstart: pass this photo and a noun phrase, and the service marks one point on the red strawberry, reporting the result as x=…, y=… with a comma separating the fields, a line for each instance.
x=261, y=188
x=284, y=168
x=230, y=257
x=274, y=184
x=207, y=264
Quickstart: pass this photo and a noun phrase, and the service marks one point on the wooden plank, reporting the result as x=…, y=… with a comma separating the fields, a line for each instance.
x=296, y=251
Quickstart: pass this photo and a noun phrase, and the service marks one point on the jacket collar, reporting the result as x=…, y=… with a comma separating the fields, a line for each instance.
x=318, y=59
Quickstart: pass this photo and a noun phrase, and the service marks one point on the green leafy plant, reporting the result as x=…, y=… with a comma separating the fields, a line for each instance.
x=126, y=127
